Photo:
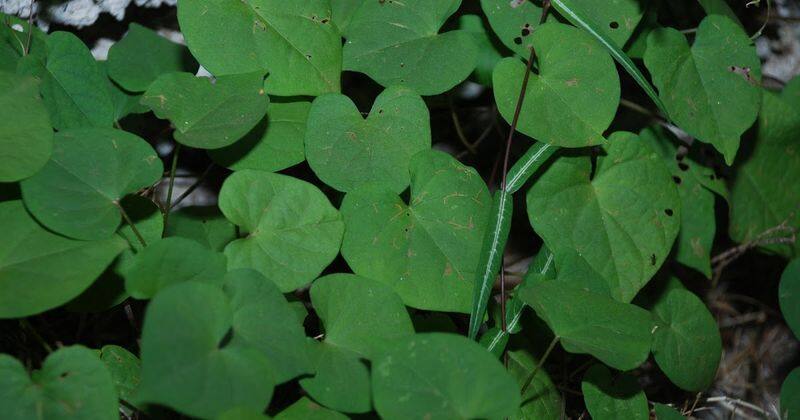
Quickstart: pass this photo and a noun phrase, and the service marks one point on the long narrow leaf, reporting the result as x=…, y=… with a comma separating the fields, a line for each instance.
x=494, y=242
x=615, y=52
x=527, y=165
x=498, y=338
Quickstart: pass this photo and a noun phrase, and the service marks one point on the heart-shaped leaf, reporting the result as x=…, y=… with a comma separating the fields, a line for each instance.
x=711, y=90
x=265, y=320
x=170, y=261
x=686, y=342
x=763, y=192
x=305, y=409
x=142, y=55
x=377, y=149
x=191, y=359
x=38, y=269
x=573, y=98
x=293, y=231
x=542, y=400
x=208, y=114
x=380, y=316
x=616, y=333
x=612, y=398
x=205, y=225
x=665, y=412
x=399, y=44
x=631, y=199
x=274, y=144
x=697, y=186
x=74, y=86
x=426, y=250
x=489, y=52
x=26, y=137
x=341, y=381
x=789, y=296
x=442, y=376
x=295, y=42
x=78, y=196
x=73, y=384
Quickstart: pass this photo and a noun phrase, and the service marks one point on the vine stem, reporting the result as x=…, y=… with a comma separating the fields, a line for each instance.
x=27, y=49
x=194, y=186
x=27, y=326
x=539, y=365
x=130, y=223
x=509, y=140
x=172, y=170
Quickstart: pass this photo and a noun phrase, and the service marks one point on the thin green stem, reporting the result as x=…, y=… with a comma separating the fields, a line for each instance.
x=130, y=223
x=539, y=365
x=172, y=170
x=28, y=327
x=193, y=187
x=27, y=49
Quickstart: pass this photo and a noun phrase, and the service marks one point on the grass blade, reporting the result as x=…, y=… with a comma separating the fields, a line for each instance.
x=494, y=242
x=527, y=165
x=615, y=52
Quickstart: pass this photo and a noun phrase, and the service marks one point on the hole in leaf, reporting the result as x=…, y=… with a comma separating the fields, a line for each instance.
x=226, y=339
x=518, y=40
x=526, y=31
x=668, y=212
x=614, y=25
x=677, y=179
x=683, y=166
x=652, y=259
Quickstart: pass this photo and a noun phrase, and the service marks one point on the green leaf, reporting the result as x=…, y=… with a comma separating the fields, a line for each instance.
x=789, y=296
x=573, y=98
x=342, y=13
x=274, y=144
x=73, y=384
x=442, y=376
x=719, y=7
x=611, y=398
x=359, y=314
x=427, y=250
x=614, y=20
x=686, y=341
x=205, y=225
x=124, y=368
x=242, y=413
x=763, y=193
x=147, y=217
x=696, y=185
x=26, y=137
x=305, y=409
x=491, y=256
x=377, y=149
x=513, y=23
x=790, y=404
x=399, y=44
x=74, y=86
x=141, y=56
x=542, y=400
x=91, y=169
x=711, y=90
x=616, y=333
x=616, y=220
x=190, y=365
x=38, y=269
x=293, y=231
x=265, y=320
x=206, y=113
x=584, y=22
x=13, y=38
x=341, y=381
x=170, y=261
x=489, y=54
x=294, y=41
x=665, y=412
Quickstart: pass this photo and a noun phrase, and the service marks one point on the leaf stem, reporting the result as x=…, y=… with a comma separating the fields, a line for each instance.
x=130, y=223
x=539, y=365
x=27, y=326
x=193, y=187
x=27, y=49
x=172, y=170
